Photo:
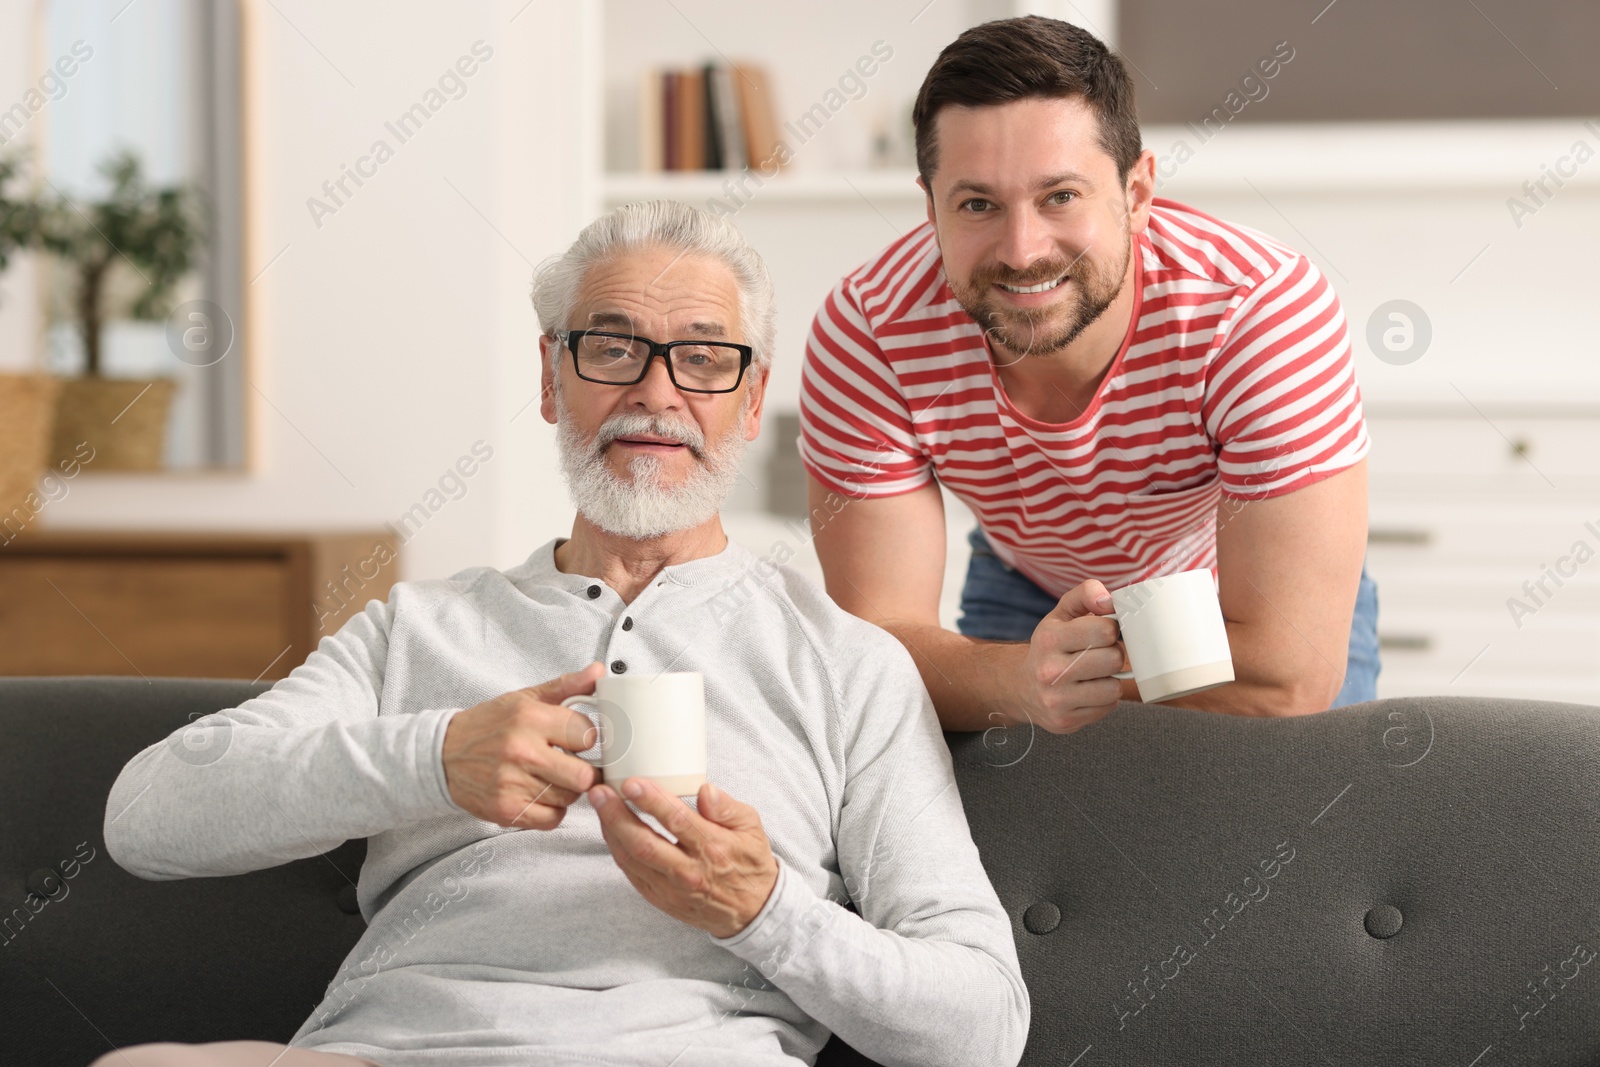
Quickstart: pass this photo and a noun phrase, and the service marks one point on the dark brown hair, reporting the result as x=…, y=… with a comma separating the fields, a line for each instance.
x=1021, y=58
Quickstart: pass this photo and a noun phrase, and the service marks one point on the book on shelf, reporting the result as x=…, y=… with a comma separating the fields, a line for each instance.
x=723, y=98
x=758, y=117
x=652, y=137
x=714, y=117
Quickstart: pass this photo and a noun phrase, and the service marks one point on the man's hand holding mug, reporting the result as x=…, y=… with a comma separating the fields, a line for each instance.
x=512, y=760
x=1166, y=632
x=509, y=760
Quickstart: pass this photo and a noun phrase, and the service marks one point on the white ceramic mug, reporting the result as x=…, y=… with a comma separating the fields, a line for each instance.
x=1177, y=642
x=651, y=726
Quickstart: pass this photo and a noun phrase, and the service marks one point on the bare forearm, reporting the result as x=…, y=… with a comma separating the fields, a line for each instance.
x=970, y=679
x=1243, y=698
x=1269, y=681
x=966, y=678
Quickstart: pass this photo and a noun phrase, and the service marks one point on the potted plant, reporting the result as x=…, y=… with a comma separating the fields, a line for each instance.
x=27, y=400
x=125, y=254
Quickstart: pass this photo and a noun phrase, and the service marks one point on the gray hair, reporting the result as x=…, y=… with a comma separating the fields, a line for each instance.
x=662, y=224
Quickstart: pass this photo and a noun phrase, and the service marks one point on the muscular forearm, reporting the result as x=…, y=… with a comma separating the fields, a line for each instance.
x=1270, y=681
x=968, y=679
x=1245, y=698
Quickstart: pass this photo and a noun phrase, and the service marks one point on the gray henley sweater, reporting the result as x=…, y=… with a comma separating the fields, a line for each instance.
x=493, y=947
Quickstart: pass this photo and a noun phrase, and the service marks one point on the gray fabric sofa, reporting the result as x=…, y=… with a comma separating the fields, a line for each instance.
x=1404, y=881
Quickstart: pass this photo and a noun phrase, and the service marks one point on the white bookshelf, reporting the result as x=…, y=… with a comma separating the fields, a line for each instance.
x=1343, y=158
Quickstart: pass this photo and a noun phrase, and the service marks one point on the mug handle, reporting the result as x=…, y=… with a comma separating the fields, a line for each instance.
x=592, y=701
x=1123, y=675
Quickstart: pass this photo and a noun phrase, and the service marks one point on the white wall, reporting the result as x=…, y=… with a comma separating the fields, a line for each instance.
x=1422, y=212
x=390, y=339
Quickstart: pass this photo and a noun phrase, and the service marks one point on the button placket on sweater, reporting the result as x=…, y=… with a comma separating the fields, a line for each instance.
x=593, y=592
x=621, y=649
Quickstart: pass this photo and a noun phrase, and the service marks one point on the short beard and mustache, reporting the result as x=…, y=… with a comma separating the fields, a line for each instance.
x=645, y=507
x=1018, y=329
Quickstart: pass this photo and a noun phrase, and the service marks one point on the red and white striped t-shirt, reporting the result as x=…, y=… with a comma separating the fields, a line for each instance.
x=1235, y=377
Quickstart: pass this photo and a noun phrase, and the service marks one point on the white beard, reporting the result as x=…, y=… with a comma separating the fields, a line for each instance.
x=642, y=507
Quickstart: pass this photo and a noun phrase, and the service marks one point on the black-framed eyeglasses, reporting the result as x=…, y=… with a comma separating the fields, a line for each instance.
x=623, y=359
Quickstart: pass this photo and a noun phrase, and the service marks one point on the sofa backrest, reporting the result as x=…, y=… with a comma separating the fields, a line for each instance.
x=95, y=958
x=1400, y=881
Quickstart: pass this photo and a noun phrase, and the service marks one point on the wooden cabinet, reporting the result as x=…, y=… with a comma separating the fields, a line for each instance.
x=193, y=605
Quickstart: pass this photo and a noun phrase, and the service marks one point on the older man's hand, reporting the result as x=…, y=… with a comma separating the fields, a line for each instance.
x=509, y=759
x=718, y=875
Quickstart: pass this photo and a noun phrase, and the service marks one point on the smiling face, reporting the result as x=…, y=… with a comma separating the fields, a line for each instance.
x=1034, y=225
x=648, y=459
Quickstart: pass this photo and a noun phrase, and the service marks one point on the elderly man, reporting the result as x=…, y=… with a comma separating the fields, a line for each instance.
x=823, y=880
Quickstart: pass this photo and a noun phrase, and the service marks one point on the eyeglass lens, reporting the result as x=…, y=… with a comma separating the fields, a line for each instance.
x=619, y=359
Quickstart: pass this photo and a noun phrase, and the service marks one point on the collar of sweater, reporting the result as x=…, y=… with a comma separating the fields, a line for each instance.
x=720, y=570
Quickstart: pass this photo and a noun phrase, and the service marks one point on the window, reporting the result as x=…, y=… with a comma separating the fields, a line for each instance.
x=159, y=77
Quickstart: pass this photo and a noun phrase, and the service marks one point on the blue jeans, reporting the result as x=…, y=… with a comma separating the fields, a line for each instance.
x=1001, y=604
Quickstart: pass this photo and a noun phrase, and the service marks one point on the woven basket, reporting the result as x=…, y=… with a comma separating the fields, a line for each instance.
x=124, y=420
x=27, y=410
